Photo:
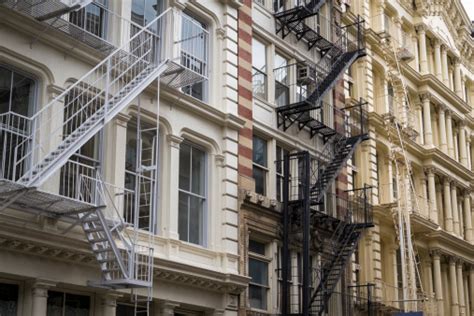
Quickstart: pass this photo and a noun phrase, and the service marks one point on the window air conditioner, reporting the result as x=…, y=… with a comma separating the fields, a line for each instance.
x=305, y=75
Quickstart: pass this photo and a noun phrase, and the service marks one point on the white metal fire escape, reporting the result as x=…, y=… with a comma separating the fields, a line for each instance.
x=34, y=149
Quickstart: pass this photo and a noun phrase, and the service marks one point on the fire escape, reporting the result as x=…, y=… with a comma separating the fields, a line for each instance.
x=323, y=226
x=39, y=152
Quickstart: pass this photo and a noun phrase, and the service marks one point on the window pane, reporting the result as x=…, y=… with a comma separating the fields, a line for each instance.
x=195, y=220
x=260, y=180
x=198, y=171
x=257, y=297
x=282, y=94
x=77, y=305
x=256, y=247
x=259, y=151
x=151, y=10
x=258, y=271
x=8, y=299
x=55, y=303
x=183, y=216
x=259, y=60
x=184, y=166
x=138, y=11
x=282, y=70
x=5, y=89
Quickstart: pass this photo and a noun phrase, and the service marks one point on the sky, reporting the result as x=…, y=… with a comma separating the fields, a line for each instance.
x=469, y=6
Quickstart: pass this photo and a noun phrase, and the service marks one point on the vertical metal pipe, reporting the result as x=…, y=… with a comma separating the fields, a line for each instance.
x=306, y=236
x=285, y=253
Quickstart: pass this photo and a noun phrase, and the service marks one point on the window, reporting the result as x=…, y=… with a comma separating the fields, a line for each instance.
x=17, y=99
x=92, y=18
x=258, y=272
x=144, y=11
x=390, y=93
x=192, y=193
x=259, y=67
x=280, y=156
x=65, y=304
x=260, y=2
x=8, y=299
x=195, y=53
x=282, y=91
x=260, y=164
x=129, y=310
x=278, y=5
x=140, y=165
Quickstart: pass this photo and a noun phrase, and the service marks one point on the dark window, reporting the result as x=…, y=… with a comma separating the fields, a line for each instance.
x=258, y=271
x=192, y=193
x=260, y=164
x=92, y=18
x=195, y=53
x=146, y=149
x=62, y=304
x=280, y=156
x=144, y=11
x=282, y=91
x=8, y=299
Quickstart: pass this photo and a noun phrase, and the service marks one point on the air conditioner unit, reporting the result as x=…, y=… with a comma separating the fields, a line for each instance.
x=76, y=4
x=305, y=74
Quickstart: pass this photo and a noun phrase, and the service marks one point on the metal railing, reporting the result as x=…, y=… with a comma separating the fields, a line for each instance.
x=93, y=98
x=137, y=258
x=70, y=175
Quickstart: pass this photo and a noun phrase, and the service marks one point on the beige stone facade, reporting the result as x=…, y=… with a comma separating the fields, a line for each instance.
x=433, y=44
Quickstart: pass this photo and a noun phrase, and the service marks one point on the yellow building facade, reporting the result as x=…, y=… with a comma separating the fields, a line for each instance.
x=418, y=79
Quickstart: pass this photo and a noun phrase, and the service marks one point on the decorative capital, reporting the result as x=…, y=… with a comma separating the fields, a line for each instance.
x=220, y=160
x=175, y=140
x=421, y=28
x=220, y=33
x=425, y=96
x=435, y=253
x=430, y=171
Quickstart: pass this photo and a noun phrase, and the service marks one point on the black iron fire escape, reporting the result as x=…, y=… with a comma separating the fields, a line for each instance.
x=319, y=224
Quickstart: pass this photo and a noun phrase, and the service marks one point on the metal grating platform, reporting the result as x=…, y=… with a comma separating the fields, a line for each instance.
x=177, y=76
x=20, y=196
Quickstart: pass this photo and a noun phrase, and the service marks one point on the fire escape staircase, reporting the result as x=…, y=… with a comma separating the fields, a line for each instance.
x=96, y=99
x=335, y=58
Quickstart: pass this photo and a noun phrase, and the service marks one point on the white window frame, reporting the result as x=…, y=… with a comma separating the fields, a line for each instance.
x=203, y=234
x=267, y=260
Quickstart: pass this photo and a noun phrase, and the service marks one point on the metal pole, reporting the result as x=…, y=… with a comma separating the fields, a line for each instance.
x=306, y=236
x=285, y=252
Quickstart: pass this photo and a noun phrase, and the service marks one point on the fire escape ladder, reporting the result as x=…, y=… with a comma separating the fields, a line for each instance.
x=343, y=149
x=345, y=241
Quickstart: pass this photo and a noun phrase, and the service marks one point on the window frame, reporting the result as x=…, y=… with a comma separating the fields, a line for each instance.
x=260, y=72
x=103, y=7
x=203, y=234
x=188, y=90
x=65, y=293
x=279, y=83
x=255, y=165
x=280, y=170
x=263, y=258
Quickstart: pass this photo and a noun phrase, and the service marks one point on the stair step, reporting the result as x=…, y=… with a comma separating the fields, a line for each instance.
x=97, y=240
x=94, y=229
x=102, y=250
x=105, y=260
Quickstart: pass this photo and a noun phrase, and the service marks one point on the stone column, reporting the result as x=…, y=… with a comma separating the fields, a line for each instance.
x=165, y=308
x=427, y=119
x=448, y=214
x=442, y=130
x=419, y=118
x=432, y=195
x=449, y=132
x=437, y=53
x=471, y=287
x=460, y=282
x=444, y=64
x=454, y=205
x=462, y=145
x=454, y=287
x=425, y=206
x=40, y=297
x=109, y=305
x=421, y=29
x=457, y=77
x=468, y=217
x=438, y=288
x=171, y=224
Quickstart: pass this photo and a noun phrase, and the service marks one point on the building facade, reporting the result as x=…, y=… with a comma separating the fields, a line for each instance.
x=417, y=79
x=101, y=161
